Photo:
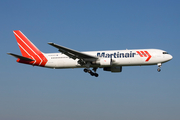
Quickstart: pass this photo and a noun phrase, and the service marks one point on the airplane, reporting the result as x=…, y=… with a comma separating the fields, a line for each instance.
x=109, y=60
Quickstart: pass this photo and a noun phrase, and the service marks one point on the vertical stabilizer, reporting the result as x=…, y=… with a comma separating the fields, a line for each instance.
x=29, y=50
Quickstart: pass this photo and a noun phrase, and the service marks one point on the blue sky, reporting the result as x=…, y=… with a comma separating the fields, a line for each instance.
x=138, y=93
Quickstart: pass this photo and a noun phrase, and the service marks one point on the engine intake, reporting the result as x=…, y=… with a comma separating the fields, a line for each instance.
x=113, y=69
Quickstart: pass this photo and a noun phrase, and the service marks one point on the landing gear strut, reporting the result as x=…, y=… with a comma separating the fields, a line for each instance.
x=90, y=72
x=159, y=67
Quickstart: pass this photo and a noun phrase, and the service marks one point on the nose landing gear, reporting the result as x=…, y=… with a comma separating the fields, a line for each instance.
x=159, y=67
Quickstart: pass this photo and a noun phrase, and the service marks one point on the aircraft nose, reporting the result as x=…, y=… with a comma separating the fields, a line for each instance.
x=170, y=57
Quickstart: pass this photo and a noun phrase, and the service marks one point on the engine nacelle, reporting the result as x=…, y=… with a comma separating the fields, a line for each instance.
x=113, y=69
x=104, y=62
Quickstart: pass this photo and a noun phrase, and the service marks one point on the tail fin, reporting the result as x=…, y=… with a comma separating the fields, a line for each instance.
x=29, y=50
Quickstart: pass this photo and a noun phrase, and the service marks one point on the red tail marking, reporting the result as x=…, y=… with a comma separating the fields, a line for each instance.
x=29, y=50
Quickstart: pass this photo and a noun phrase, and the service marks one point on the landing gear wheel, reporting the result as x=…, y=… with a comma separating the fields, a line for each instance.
x=96, y=75
x=85, y=70
x=158, y=69
x=91, y=72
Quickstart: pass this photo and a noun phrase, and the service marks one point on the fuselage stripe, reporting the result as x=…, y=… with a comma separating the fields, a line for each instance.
x=28, y=53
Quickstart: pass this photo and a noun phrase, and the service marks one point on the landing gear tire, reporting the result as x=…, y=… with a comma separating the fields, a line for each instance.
x=90, y=72
x=85, y=70
x=159, y=70
x=96, y=75
x=159, y=67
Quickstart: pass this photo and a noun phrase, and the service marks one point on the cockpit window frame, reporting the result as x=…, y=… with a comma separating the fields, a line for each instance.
x=165, y=53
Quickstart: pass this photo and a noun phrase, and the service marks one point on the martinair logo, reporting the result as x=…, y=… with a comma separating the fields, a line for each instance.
x=144, y=54
x=125, y=55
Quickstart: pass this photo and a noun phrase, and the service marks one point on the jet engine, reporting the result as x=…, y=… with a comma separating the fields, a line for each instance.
x=113, y=69
x=104, y=62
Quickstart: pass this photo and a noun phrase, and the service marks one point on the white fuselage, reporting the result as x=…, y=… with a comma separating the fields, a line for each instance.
x=109, y=60
x=133, y=57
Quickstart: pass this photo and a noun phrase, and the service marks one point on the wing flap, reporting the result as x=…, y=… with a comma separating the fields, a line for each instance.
x=73, y=53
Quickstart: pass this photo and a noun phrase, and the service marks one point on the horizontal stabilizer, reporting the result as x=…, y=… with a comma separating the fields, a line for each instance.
x=20, y=57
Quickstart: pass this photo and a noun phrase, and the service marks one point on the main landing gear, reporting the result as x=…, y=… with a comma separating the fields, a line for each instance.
x=159, y=67
x=90, y=72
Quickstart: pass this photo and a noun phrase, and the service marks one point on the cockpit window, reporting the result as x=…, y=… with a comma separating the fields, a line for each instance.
x=165, y=53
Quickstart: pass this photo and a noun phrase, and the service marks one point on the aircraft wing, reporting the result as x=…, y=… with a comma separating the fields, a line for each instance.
x=73, y=53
